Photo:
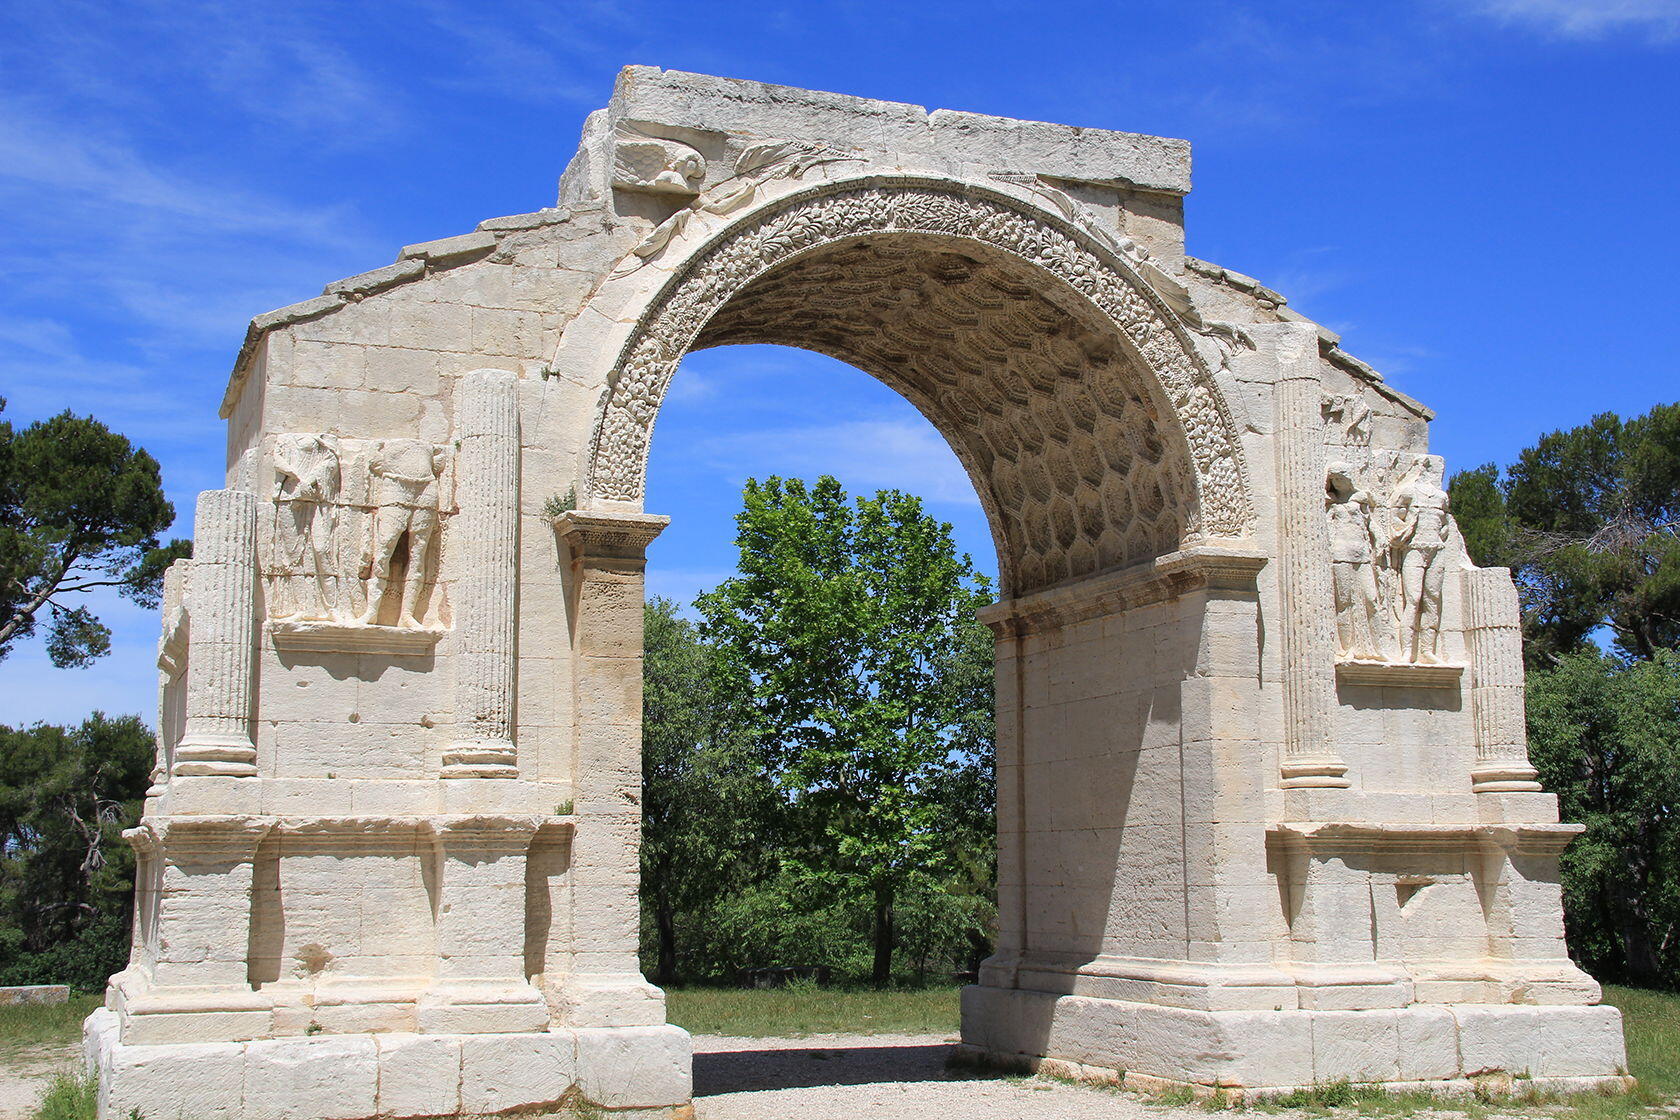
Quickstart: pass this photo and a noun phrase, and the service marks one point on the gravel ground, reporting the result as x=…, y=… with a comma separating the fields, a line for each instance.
x=24, y=1078
x=885, y=1077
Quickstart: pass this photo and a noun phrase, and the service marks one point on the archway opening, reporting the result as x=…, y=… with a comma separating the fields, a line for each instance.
x=789, y=904
x=1085, y=473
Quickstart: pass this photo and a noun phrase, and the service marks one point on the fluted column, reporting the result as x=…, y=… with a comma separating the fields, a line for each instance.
x=221, y=638
x=1309, y=659
x=1493, y=625
x=486, y=551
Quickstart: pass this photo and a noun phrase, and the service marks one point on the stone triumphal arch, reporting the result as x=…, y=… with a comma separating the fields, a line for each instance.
x=1265, y=816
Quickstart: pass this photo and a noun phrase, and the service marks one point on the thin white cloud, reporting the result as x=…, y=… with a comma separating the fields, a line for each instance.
x=186, y=256
x=42, y=153
x=905, y=455
x=281, y=65
x=1656, y=20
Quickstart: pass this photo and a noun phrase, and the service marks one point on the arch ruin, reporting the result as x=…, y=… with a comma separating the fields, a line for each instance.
x=1265, y=813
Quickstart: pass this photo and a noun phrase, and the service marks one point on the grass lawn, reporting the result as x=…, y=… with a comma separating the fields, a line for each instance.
x=802, y=1009
x=1651, y=1025
x=31, y=1028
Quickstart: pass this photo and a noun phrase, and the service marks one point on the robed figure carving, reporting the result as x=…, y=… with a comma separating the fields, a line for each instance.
x=1422, y=530
x=307, y=480
x=1388, y=555
x=1353, y=557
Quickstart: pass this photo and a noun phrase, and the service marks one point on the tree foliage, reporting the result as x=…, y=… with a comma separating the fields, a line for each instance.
x=848, y=627
x=80, y=509
x=66, y=874
x=1605, y=735
x=708, y=810
x=1588, y=520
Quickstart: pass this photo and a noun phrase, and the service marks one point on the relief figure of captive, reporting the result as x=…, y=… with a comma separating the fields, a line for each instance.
x=1359, y=614
x=307, y=477
x=405, y=479
x=1422, y=532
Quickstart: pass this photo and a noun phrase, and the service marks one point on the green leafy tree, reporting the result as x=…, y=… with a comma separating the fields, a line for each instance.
x=851, y=630
x=1605, y=735
x=1588, y=519
x=80, y=509
x=66, y=874
x=707, y=806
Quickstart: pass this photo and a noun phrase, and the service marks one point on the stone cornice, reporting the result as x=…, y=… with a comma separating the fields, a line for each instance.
x=1343, y=836
x=609, y=534
x=1214, y=566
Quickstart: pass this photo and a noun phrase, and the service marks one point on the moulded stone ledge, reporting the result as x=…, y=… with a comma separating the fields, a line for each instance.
x=642, y=1071
x=1399, y=674
x=609, y=532
x=474, y=244
x=1343, y=836
x=350, y=637
x=1212, y=564
x=1430, y=1046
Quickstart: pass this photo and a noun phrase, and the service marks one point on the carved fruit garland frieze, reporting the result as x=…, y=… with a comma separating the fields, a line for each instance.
x=649, y=359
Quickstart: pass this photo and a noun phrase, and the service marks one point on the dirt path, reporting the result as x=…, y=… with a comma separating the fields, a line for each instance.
x=25, y=1076
x=884, y=1077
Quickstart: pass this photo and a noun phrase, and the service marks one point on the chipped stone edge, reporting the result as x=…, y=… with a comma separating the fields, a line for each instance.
x=413, y=263
x=1329, y=342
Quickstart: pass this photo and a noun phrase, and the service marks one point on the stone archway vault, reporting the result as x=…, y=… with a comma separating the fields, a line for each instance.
x=1265, y=813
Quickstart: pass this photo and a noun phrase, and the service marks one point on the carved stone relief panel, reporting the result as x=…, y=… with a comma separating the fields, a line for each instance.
x=351, y=531
x=1390, y=546
x=658, y=166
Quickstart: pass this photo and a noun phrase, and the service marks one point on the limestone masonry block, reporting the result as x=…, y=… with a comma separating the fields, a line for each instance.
x=635, y=1067
x=419, y=1075
x=320, y=1078
x=505, y=1072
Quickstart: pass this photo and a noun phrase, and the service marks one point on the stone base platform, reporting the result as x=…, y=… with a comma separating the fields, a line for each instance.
x=1457, y=1048
x=624, y=1071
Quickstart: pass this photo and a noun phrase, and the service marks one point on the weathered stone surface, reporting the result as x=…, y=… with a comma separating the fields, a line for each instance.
x=635, y=1067
x=419, y=1075
x=502, y=1072
x=473, y=244
x=34, y=993
x=176, y=1082
x=321, y=1078
x=1264, y=817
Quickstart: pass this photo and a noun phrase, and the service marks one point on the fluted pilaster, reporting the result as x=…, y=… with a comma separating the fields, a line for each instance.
x=1493, y=625
x=221, y=638
x=1309, y=664
x=486, y=548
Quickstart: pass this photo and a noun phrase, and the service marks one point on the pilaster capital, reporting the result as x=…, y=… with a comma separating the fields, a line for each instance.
x=609, y=534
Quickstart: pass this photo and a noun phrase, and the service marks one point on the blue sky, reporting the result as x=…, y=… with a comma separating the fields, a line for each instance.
x=1479, y=194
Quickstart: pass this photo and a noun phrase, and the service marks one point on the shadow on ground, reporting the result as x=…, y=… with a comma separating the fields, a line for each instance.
x=747, y=1071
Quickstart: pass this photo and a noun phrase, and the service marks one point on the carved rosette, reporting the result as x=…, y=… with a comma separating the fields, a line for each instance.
x=810, y=220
